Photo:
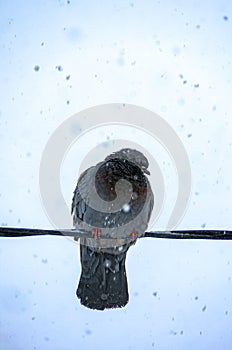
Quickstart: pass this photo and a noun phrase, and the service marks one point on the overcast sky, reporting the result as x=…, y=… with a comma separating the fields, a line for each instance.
x=173, y=58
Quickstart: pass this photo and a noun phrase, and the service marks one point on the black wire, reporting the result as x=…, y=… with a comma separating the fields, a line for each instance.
x=13, y=232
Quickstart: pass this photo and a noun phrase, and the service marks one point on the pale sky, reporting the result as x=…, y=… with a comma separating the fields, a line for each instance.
x=173, y=58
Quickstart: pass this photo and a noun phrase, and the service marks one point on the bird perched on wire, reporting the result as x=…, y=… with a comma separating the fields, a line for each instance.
x=114, y=200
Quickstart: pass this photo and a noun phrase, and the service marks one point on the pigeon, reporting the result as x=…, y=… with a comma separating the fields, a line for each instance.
x=114, y=200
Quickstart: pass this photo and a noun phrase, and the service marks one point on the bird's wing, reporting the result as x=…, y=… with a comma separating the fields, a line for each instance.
x=79, y=205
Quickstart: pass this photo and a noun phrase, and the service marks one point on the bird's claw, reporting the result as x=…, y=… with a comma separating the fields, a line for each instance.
x=134, y=235
x=96, y=233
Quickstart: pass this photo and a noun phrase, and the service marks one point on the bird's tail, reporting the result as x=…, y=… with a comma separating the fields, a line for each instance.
x=103, y=281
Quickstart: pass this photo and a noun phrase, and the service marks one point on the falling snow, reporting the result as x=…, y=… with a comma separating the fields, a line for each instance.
x=126, y=208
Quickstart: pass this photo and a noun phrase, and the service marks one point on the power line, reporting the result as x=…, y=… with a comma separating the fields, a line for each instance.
x=13, y=232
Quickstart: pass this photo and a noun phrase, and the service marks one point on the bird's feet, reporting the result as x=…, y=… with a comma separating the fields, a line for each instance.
x=96, y=233
x=134, y=235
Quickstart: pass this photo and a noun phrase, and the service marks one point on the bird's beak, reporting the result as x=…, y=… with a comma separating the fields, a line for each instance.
x=145, y=170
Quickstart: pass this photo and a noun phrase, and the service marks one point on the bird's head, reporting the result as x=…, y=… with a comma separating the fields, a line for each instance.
x=133, y=156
